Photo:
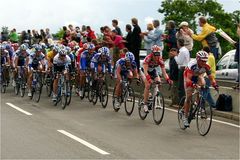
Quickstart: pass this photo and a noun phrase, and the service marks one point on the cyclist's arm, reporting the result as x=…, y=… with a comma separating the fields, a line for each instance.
x=145, y=69
x=188, y=74
x=165, y=75
x=119, y=73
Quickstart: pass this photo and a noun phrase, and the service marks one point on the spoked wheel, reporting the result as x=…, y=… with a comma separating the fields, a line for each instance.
x=38, y=91
x=114, y=98
x=158, y=108
x=90, y=94
x=69, y=96
x=141, y=112
x=129, y=100
x=49, y=88
x=22, y=90
x=17, y=88
x=83, y=93
x=94, y=96
x=204, y=117
x=104, y=95
x=3, y=87
x=65, y=96
x=181, y=113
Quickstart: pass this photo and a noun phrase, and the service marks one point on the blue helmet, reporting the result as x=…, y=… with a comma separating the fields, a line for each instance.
x=2, y=47
x=8, y=46
x=105, y=51
x=68, y=50
x=38, y=48
x=129, y=56
x=91, y=46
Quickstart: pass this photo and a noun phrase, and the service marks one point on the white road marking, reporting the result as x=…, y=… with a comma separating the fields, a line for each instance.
x=19, y=109
x=83, y=142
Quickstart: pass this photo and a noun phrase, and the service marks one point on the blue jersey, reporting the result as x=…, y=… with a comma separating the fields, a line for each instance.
x=124, y=68
x=21, y=57
x=97, y=60
x=85, y=60
x=4, y=56
x=34, y=59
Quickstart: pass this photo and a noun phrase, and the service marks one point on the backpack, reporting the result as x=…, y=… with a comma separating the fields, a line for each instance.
x=224, y=102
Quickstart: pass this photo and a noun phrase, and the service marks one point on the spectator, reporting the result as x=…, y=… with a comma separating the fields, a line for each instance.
x=65, y=36
x=84, y=34
x=23, y=37
x=173, y=75
x=48, y=34
x=123, y=52
x=115, y=25
x=148, y=42
x=90, y=34
x=36, y=37
x=78, y=35
x=207, y=36
x=118, y=45
x=29, y=37
x=181, y=34
x=128, y=39
x=182, y=59
x=206, y=91
x=13, y=36
x=170, y=38
x=136, y=41
x=42, y=35
x=107, y=39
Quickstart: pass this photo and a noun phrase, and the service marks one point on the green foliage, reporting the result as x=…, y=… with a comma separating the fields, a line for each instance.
x=189, y=10
x=59, y=34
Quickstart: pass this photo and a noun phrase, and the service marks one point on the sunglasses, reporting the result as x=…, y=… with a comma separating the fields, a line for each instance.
x=156, y=53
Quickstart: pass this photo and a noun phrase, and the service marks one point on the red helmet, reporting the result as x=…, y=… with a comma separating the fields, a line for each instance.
x=156, y=48
x=202, y=55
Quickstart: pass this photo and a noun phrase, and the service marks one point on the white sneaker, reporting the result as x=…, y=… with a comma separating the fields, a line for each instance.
x=29, y=94
x=81, y=93
x=13, y=83
x=145, y=108
x=54, y=97
x=117, y=103
x=185, y=121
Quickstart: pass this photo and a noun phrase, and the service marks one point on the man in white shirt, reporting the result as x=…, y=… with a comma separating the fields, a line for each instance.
x=182, y=58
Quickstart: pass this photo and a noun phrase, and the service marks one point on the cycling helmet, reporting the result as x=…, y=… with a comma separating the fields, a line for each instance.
x=156, y=48
x=85, y=45
x=44, y=46
x=91, y=46
x=8, y=46
x=55, y=48
x=68, y=50
x=202, y=55
x=129, y=56
x=38, y=48
x=105, y=51
x=62, y=52
x=23, y=47
x=2, y=47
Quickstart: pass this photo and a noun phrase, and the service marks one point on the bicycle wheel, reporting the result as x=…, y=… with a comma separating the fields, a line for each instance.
x=104, y=95
x=22, y=88
x=17, y=88
x=3, y=87
x=38, y=91
x=181, y=113
x=204, y=117
x=94, y=96
x=141, y=112
x=90, y=94
x=69, y=95
x=114, y=98
x=158, y=108
x=129, y=100
x=64, y=95
x=49, y=88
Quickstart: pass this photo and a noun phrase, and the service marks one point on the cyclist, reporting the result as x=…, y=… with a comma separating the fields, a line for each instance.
x=194, y=76
x=150, y=74
x=36, y=62
x=21, y=59
x=61, y=63
x=100, y=61
x=126, y=68
x=5, y=60
x=85, y=61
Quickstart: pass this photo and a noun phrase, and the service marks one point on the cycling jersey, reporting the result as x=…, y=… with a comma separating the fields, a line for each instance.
x=59, y=64
x=34, y=60
x=97, y=60
x=153, y=64
x=124, y=69
x=85, y=59
x=194, y=70
x=50, y=56
x=4, y=56
x=21, y=57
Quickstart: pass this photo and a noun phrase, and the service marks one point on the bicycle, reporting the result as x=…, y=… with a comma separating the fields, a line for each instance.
x=99, y=89
x=127, y=97
x=87, y=86
x=49, y=82
x=20, y=81
x=36, y=85
x=62, y=91
x=4, y=80
x=198, y=110
x=155, y=103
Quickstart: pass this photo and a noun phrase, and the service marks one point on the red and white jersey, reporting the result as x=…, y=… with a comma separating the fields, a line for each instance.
x=153, y=64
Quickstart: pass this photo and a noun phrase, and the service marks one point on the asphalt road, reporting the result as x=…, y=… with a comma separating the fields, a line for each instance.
x=84, y=131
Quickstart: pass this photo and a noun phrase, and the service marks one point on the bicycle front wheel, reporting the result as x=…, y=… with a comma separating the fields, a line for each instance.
x=204, y=117
x=104, y=95
x=38, y=91
x=181, y=113
x=114, y=98
x=141, y=112
x=129, y=100
x=158, y=108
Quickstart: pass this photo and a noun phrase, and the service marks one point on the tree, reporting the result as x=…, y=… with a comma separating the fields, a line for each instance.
x=59, y=34
x=190, y=10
